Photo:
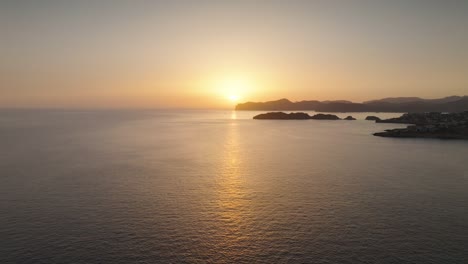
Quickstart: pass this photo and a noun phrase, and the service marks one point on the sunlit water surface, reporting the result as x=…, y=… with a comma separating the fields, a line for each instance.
x=219, y=187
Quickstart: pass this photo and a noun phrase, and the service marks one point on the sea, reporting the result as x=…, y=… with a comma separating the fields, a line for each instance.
x=209, y=186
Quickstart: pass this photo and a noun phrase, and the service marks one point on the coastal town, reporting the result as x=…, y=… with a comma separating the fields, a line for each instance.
x=429, y=125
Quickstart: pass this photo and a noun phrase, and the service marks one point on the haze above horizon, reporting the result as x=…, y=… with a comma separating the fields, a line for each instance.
x=214, y=54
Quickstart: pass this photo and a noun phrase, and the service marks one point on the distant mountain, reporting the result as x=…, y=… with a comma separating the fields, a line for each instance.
x=395, y=100
x=271, y=105
x=337, y=101
x=400, y=100
x=396, y=104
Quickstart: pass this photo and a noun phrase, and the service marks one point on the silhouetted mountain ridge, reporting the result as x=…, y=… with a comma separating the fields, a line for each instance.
x=399, y=100
x=394, y=104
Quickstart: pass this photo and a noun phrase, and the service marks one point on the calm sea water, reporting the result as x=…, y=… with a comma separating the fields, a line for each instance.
x=219, y=187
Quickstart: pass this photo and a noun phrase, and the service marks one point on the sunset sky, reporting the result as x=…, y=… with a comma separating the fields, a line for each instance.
x=212, y=54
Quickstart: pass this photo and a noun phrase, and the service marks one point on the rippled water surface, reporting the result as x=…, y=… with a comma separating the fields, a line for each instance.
x=219, y=187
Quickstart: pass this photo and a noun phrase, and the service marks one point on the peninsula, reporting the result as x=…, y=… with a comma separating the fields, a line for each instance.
x=429, y=125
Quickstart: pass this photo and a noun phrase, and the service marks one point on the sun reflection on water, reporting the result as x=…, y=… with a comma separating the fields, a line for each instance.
x=233, y=203
x=234, y=114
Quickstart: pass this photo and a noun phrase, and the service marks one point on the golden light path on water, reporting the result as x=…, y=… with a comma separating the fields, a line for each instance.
x=234, y=217
x=233, y=115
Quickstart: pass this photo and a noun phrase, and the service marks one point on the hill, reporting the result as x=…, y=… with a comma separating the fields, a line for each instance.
x=396, y=104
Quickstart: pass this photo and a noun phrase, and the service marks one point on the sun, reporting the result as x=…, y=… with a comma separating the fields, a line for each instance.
x=233, y=98
x=234, y=89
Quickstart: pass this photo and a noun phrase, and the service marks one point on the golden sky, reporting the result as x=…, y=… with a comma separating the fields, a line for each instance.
x=212, y=54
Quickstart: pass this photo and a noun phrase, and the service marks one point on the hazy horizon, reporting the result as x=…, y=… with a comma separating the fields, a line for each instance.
x=214, y=54
x=230, y=107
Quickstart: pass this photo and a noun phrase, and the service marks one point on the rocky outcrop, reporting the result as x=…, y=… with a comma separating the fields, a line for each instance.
x=349, y=118
x=283, y=116
x=373, y=118
x=426, y=132
x=325, y=117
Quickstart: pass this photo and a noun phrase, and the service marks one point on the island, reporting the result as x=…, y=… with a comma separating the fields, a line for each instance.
x=372, y=118
x=349, y=118
x=295, y=116
x=283, y=116
x=324, y=117
x=429, y=125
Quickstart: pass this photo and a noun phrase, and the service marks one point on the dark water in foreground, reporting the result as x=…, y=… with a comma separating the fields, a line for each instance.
x=218, y=187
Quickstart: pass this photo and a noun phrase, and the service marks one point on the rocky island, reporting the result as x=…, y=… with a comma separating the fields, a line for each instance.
x=295, y=116
x=429, y=125
x=283, y=116
x=324, y=117
x=372, y=118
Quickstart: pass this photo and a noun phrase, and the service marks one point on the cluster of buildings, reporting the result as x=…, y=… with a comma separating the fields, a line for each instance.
x=436, y=118
x=449, y=125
